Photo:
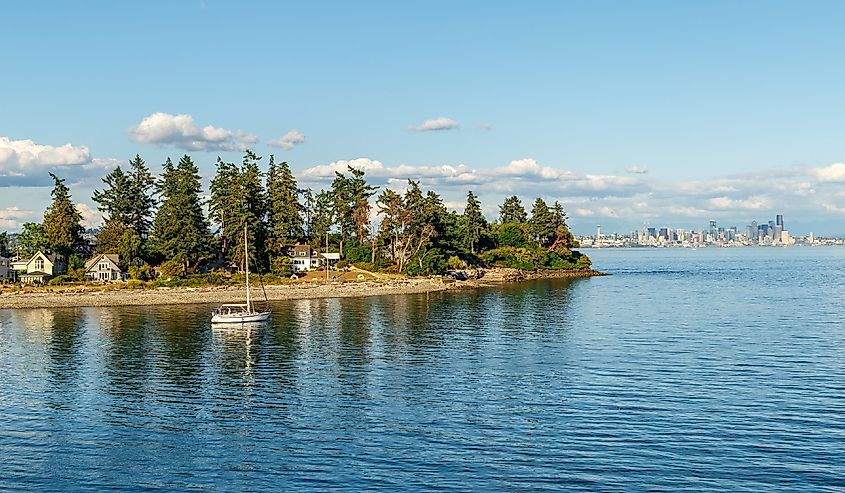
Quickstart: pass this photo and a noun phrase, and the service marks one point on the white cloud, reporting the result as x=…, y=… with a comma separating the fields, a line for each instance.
x=91, y=217
x=485, y=126
x=181, y=132
x=751, y=203
x=440, y=123
x=834, y=173
x=13, y=217
x=19, y=158
x=636, y=170
x=289, y=140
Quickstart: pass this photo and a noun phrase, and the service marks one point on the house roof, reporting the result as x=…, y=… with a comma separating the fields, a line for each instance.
x=51, y=257
x=112, y=257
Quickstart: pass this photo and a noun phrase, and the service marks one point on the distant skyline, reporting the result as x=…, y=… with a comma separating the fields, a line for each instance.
x=629, y=113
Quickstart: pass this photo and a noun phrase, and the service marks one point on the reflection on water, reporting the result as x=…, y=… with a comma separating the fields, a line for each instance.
x=559, y=384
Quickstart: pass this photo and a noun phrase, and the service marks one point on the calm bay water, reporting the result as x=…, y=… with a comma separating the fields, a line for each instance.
x=685, y=370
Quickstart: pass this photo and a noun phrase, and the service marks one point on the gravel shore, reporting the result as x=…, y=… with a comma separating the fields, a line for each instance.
x=58, y=297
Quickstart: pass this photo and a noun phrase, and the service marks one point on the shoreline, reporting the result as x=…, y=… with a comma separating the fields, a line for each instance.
x=233, y=294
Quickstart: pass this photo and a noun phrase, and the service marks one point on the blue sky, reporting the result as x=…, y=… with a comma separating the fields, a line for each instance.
x=665, y=113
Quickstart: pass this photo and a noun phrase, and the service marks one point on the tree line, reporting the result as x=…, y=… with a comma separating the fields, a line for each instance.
x=151, y=220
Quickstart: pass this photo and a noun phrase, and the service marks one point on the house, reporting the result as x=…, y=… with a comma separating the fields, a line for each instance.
x=104, y=267
x=7, y=273
x=42, y=266
x=304, y=258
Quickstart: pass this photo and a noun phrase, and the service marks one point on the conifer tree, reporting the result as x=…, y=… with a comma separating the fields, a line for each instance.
x=473, y=222
x=4, y=244
x=180, y=229
x=221, y=208
x=141, y=197
x=542, y=224
x=321, y=223
x=62, y=228
x=284, y=219
x=512, y=211
x=115, y=199
x=250, y=211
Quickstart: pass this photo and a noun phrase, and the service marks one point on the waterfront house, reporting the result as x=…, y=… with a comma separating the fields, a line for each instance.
x=7, y=273
x=303, y=258
x=104, y=267
x=42, y=266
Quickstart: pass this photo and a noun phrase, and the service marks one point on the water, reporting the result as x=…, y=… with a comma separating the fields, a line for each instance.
x=717, y=370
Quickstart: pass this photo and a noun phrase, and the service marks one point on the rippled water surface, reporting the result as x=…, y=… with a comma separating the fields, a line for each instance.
x=685, y=370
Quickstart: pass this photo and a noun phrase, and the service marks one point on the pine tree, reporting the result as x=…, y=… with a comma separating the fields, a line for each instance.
x=62, y=227
x=4, y=244
x=323, y=218
x=221, y=208
x=512, y=211
x=115, y=199
x=141, y=198
x=542, y=224
x=180, y=229
x=284, y=217
x=473, y=222
x=249, y=211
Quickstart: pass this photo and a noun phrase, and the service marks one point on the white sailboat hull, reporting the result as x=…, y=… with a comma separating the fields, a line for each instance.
x=239, y=318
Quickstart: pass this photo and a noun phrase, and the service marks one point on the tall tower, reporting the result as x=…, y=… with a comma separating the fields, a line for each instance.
x=598, y=231
x=779, y=220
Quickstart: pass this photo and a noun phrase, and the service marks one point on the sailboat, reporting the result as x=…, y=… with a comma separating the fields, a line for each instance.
x=238, y=313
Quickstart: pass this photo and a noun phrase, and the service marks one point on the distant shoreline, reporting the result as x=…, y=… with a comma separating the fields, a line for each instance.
x=68, y=298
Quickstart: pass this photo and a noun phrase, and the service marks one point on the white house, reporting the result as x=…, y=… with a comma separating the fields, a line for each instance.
x=303, y=258
x=104, y=267
x=42, y=266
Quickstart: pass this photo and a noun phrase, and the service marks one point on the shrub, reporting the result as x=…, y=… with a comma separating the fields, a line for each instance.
x=141, y=272
x=62, y=279
x=342, y=264
x=366, y=266
x=171, y=269
x=455, y=263
x=281, y=266
x=135, y=284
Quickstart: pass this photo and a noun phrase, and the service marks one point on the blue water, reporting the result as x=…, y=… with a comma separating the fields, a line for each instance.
x=707, y=370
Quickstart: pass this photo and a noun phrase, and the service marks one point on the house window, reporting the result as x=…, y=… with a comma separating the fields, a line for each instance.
x=302, y=254
x=103, y=266
x=39, y=264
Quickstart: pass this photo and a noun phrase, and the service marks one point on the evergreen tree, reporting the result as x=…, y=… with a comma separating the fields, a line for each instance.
x=308, y=204
x=284, y=217
x=473, y=222
x=249, y=211
x=221, y=207
x=4, y=244
x=180, y=229
x=352, y=204
x=62, y=227
x=142, y=200
x=321, y=223
x=512, y=211
x=115, y=199
x=542, y=224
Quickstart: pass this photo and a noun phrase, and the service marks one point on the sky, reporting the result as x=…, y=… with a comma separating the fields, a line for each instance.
x=659, y=113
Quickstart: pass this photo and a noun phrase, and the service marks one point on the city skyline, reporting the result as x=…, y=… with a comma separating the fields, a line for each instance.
x=406, y=93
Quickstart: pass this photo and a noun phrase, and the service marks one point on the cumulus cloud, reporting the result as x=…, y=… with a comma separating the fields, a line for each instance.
x=440, y=123
x=20, y=158
x=636, y=170
x=289, y=140
x=91, y=217
x=835, y=173
x=180, y=131
x=13, y=217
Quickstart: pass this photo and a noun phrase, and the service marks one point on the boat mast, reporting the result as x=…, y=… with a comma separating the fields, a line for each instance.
x=246, y=268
